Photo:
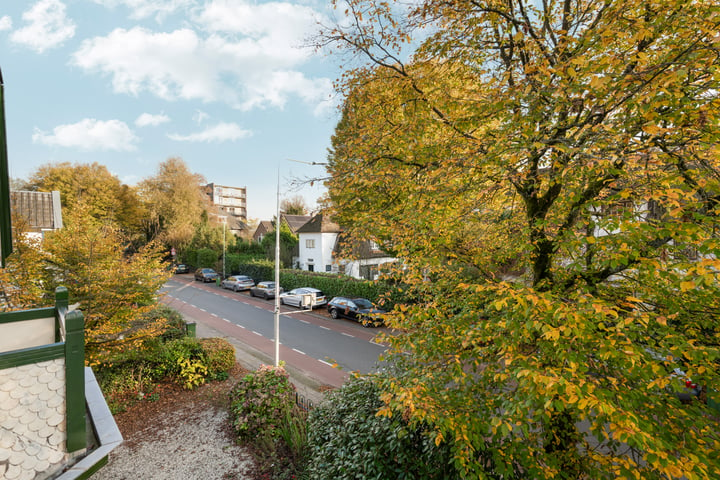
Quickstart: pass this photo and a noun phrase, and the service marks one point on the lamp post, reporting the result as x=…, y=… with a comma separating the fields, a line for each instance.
x=277, y=273
x=277, y=266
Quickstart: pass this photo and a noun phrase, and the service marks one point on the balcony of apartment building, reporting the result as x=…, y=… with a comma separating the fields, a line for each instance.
x=54, y=421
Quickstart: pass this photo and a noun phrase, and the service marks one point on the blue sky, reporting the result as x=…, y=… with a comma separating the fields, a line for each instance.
x=222, y=84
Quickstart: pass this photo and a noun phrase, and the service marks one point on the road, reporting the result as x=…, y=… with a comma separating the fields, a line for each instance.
x=320, y=347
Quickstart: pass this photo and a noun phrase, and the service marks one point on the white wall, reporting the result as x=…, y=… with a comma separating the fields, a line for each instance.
x=321, y=254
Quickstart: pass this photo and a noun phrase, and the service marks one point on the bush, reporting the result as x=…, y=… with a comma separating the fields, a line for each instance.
x=175, y=327
x=347, y=440
x=260, y=402
x=219, y=355
x=264, y=415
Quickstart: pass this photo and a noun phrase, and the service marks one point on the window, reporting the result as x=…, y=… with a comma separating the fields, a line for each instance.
x=310, y=243
x=311, y=268
x=328, y=268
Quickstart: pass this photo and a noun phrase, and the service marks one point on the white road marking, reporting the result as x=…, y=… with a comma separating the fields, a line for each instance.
x=305, y=321
x=348, y=335
x=326, y=363
x=298, y=351
x=324, y=328
x=256, y=333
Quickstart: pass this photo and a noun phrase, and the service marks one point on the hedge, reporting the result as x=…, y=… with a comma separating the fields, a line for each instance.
x=333, y=285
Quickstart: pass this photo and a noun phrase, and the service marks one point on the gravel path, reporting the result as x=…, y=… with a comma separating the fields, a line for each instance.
x=183, y=435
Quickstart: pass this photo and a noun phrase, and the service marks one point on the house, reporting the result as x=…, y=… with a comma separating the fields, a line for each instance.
x=323, y=248
x=264, y=228
x=317, y=242
x=40, y=211
x=363, y=260
x=293, y=222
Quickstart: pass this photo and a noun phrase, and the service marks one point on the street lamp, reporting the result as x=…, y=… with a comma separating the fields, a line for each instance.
x=304, y=301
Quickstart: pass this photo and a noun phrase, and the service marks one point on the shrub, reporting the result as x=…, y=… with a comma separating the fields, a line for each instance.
x=175, y=326
x=192, y=372
x=260, y=401
x=219, y=355
x=348, y=440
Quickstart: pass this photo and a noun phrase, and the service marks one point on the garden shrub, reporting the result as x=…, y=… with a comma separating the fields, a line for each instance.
x=175, y=326
x=219, y=355
x=348, y=440
x=260, y=402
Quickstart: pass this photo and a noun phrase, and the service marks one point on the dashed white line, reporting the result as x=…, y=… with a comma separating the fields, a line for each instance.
x=214, y=314
x=299, y=351
x=202, y=310
x=347, y=335
x=226, y=320
x=305, y=321
x=326, y=363
x=256, y=333
x=324, y=328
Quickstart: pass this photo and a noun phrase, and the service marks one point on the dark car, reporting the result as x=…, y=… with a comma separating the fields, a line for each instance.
x=182, y=268
x=360, y=309
x=205, y=275
x=265, y=290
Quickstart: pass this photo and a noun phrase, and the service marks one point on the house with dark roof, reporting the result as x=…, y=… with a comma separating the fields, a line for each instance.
x=317, y=242
x=324, y=248
x=40, y=211
x=293, y=222
x=362, y=260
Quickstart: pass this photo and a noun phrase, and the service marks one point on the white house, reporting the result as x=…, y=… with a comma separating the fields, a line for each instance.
x=322, y=249
x=317, y=240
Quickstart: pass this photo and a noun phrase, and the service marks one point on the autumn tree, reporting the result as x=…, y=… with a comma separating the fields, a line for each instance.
x=175, y=202
x=113, y=288
x=93, y=185
x=294, y=205
x=22, y=281
x=548, y=171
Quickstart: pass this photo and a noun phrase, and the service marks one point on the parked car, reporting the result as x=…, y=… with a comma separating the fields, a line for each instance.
x=294, y=297
x=182, y=268
x=360, y=309
x=205, y=275
x=265, y=290
x=238, y=282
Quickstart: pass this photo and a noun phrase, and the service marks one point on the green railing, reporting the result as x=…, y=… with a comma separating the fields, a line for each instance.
x=70, y=345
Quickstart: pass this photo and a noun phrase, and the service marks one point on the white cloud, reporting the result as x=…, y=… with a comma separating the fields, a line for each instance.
x=248, y=57
x=145, y=8
x=222, y=132
x=47, y=26
x=148, y=119
x=169, y=65
x=5, y=23
x=90, y=135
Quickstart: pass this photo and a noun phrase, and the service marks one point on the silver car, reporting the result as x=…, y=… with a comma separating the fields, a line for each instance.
x=295, y=297
x=237, y=283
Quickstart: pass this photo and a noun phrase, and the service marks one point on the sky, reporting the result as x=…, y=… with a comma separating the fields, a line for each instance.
x=226, y=85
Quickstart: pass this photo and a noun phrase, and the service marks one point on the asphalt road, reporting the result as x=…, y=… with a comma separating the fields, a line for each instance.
x=312, y=342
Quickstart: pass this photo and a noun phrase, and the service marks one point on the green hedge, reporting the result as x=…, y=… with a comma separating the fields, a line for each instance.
x=348, y=440
x=333, y=285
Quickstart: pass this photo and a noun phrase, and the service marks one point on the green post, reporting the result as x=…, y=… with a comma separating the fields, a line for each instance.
x=5, y=219
x=61, y=308
x=75, y=380
x=191, y=329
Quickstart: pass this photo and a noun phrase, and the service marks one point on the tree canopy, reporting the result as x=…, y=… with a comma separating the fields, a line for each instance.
x=549, y=173
x=93, y=185
x=175, y=201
